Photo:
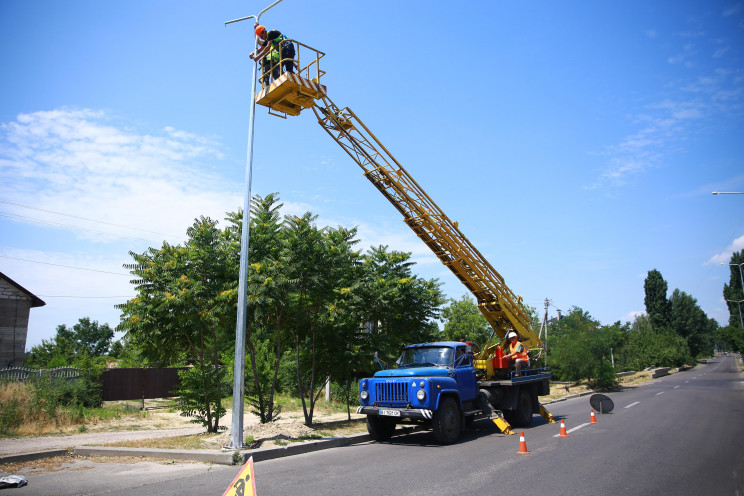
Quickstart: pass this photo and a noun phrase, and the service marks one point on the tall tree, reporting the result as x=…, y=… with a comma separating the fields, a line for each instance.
x=658, y=307
x=182, y=314
x=689, y=321
x=733, y=292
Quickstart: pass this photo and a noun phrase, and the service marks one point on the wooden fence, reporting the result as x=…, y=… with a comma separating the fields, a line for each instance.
x=117, y=384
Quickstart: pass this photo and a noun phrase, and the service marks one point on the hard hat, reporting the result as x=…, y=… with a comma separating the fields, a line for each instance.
x=260, y=29
x=511, y=335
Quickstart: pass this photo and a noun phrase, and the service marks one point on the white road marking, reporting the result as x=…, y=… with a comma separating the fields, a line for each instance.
x=632, y=404
x=675, y=387
x=657, y=394
x=569, y=431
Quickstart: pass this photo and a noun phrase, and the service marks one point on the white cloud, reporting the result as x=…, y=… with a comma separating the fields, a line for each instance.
x=77, y=162
x=631, y=316
x=725, y=256
x=82, y=189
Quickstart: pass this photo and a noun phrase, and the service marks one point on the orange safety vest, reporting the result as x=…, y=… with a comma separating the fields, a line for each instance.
x=523, y=354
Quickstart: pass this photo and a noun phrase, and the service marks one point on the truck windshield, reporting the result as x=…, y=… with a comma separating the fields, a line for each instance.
x=438, y=355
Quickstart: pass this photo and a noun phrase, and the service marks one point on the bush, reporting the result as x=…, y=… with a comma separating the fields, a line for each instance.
x=201, y=391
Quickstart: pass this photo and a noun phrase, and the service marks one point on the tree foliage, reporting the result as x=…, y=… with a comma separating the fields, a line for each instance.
x=85, y=339
x=182, y=314
x=308, y=293
x=580, y=348
x=463, y=321
x=733, y=291
x=658, y=307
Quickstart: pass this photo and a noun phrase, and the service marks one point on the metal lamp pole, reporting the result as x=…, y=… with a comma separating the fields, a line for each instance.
x=236, y=431
x=738, y=302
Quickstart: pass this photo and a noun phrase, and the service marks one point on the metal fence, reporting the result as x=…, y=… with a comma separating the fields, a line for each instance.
x=22, y=373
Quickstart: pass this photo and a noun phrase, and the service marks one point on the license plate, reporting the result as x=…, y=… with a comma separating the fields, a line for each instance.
x=390, y=413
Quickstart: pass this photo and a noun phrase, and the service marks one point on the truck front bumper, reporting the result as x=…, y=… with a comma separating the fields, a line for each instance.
x=408, y=413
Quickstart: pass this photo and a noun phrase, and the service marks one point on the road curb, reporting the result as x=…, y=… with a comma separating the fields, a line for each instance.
x=31, y=456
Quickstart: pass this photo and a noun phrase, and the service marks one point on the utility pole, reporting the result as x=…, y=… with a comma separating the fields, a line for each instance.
x=544, y=330
x=236, y=429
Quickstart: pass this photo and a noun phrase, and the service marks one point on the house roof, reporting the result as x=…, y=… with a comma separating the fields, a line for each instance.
x=35, y=300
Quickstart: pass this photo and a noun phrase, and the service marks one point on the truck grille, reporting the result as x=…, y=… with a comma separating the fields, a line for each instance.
x=392, y=392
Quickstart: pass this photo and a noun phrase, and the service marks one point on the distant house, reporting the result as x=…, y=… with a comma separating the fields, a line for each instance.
x=16, y=303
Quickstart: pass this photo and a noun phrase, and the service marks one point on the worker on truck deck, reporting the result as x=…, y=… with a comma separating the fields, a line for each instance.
x=517, y=353
x=275, y=47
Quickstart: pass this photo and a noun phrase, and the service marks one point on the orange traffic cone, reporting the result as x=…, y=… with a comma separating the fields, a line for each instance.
x=522, y=445
x=563, y=430
x=593, y=418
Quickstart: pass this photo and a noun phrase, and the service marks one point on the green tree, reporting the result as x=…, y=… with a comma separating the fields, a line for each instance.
x=320, y=264
x=398, y=307
x=658, y=307
x=733, y=292
x=580, y=348
x=689, y=321
x=68, y=345
x=268, y=293
x=732, y=336
x=182, y=312
x=649, y=346
x=463, y=321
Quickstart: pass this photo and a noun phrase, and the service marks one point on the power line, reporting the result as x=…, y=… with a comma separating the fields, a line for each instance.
x=68, y=226
x=87, y=218
x=66, y=266
x=83, y=297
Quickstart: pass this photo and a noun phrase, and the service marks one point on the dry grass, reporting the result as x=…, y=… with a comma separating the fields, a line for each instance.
x=24, y=413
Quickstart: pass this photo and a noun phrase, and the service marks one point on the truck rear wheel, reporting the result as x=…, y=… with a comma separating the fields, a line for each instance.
x=380, y=428
x=522, y=416
x=446, y=422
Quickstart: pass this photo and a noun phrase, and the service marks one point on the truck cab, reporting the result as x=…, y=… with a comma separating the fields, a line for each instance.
x=433, y=382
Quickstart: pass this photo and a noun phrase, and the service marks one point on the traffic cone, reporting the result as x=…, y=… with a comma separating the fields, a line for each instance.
x=522, y=445
x=593, y=418
x=563, y=430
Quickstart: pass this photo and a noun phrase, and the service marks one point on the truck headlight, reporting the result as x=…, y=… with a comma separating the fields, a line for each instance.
x=421, y=394
x=364, y=395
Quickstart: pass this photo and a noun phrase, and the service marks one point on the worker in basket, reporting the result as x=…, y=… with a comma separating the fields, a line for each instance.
x=517, y=353
x=274, y=48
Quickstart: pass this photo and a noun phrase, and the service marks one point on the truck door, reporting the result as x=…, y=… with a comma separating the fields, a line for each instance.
x=465, y=375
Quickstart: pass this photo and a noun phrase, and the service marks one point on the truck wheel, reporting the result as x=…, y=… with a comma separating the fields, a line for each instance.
x=522, y=416
x=446, y=422
x=380, y=429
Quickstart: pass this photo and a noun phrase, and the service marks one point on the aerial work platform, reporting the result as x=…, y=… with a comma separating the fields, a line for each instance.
x=290, y=93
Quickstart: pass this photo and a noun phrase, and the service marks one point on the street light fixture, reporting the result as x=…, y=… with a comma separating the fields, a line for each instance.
x=236, y=430
x=728, y=192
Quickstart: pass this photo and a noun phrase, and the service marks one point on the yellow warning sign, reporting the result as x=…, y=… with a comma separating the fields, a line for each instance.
x=244, y=484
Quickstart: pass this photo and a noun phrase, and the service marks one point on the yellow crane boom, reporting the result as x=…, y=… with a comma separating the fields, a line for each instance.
x=502, y=309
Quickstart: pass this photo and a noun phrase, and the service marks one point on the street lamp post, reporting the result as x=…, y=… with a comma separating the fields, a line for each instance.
x=236, y=430
x=728, y=192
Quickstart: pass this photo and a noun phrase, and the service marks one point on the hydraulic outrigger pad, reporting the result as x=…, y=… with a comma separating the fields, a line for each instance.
x=544, y=413
x=503, y=425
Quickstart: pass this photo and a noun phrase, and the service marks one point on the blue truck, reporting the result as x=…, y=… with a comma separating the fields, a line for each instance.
x=442, y=385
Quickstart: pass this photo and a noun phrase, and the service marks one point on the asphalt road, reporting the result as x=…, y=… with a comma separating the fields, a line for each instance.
x=678, y=435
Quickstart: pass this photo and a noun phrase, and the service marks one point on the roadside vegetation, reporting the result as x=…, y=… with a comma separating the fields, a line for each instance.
x=319, y=307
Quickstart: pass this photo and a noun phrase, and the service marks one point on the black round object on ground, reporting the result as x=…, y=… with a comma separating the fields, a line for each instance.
x=601, y=403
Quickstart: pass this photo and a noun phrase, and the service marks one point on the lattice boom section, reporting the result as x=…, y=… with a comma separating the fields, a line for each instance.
x=495, y=300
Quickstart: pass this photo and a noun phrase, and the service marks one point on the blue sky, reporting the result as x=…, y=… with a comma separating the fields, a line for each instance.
x=576, y=143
